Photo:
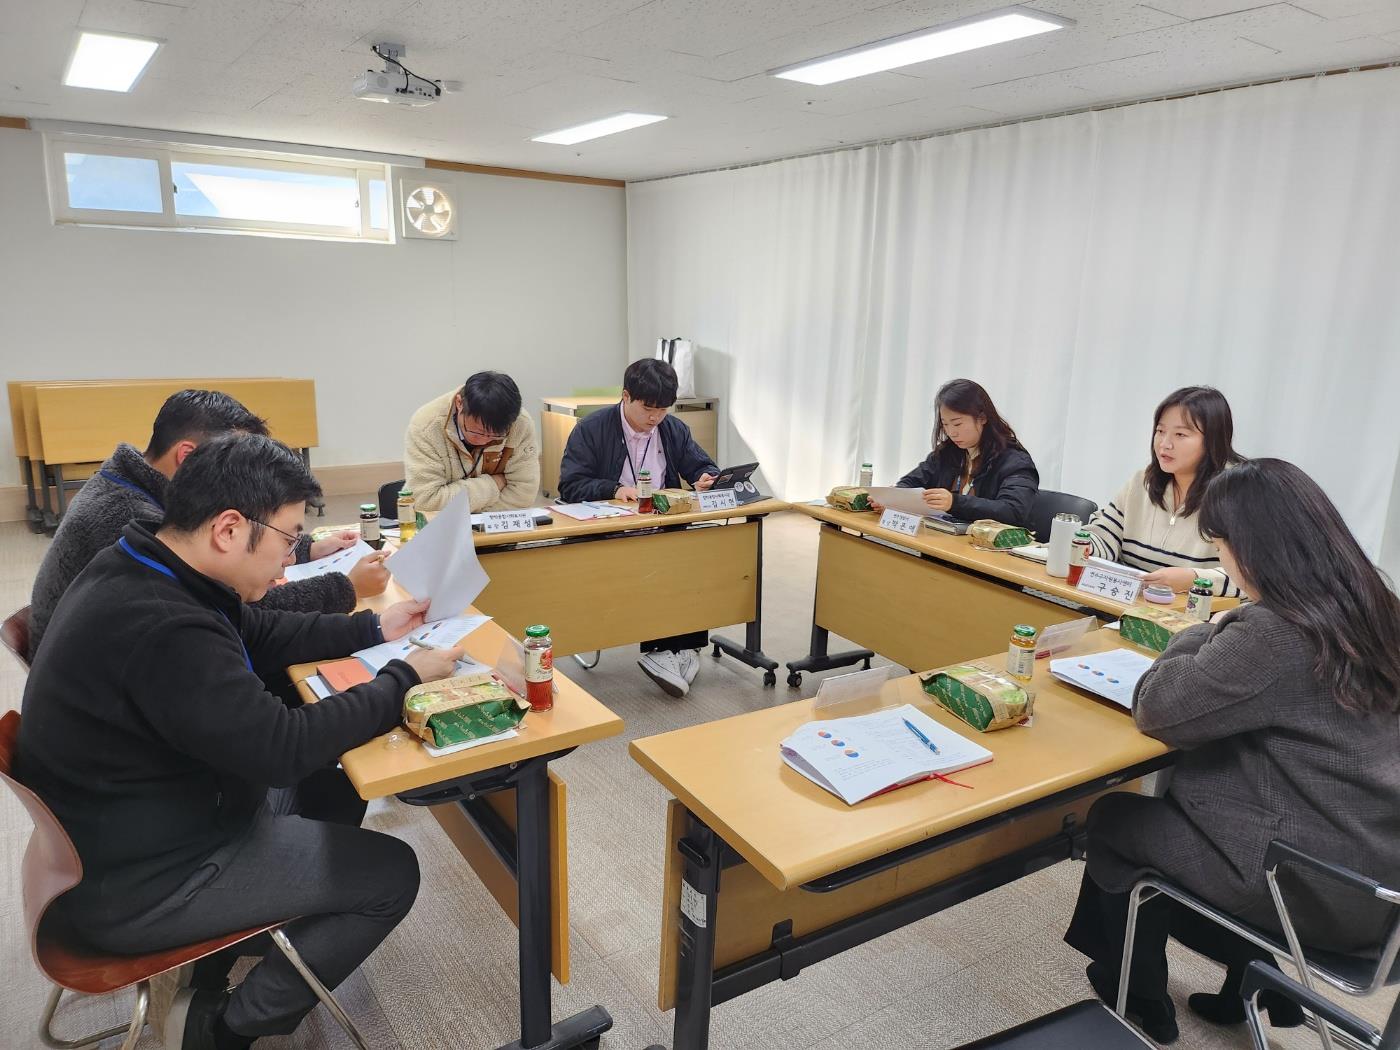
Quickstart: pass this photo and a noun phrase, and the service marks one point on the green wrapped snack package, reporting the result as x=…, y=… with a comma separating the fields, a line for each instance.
x=1153, y=628
x=673, y=501
x=988, y=533
x=981, y=696
x=849, y=497
x=456, y=710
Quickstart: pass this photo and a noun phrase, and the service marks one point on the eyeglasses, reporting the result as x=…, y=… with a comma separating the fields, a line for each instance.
x=486, y=436
x=291, y=538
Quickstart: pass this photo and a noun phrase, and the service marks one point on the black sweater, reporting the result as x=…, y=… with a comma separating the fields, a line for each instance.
x=596, y=451
x=149, y=737
x=1003, y=488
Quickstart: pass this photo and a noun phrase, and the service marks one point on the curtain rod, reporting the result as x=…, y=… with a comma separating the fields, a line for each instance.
x=1392, y=64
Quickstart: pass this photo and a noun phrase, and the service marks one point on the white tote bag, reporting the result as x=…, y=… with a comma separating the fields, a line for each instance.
x=680, y=355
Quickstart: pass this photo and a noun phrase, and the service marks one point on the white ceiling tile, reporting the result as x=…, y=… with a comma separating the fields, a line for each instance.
x=280, y=69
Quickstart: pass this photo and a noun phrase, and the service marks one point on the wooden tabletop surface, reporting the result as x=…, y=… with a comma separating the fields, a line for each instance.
x=377, y=769
x=959, y=550
x=731, y=775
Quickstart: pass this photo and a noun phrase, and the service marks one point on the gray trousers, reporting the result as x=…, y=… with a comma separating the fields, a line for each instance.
x=349, y=887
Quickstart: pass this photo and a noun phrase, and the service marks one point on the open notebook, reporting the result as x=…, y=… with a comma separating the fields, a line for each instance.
x=855, y=758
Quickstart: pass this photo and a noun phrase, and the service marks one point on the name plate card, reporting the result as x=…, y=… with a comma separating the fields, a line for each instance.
x=898, y=521
x=1118, y=586
x=508, y=521
x=718, y=499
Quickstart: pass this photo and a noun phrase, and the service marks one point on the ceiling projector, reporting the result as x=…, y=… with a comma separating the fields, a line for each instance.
x=395, y=83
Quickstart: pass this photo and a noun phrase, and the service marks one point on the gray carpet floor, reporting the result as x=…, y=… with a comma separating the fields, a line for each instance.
x=447, y=976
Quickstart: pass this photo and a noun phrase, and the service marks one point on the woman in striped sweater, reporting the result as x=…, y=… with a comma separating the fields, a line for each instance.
x=1151, y=524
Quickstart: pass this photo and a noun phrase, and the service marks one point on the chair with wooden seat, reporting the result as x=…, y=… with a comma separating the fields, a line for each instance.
x=14, y=634
x=51, y=867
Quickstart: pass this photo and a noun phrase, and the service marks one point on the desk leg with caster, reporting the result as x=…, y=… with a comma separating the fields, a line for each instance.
x=703, y=852
x=818, y=658
x=538, y=1030
x=751, y=652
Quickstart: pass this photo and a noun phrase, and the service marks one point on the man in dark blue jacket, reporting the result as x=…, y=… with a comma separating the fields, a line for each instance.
x=147, y=730
x=605, y=454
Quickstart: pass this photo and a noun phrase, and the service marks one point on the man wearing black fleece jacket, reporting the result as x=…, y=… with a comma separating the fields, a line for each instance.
x=146, y=729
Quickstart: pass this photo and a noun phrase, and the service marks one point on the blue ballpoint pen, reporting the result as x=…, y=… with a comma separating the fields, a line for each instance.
x=926, y=741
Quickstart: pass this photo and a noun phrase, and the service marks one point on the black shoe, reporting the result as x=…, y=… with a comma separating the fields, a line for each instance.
x=1225, y=1008
x=196, y=1022
x=1156, y=1017
x=190, y=1023
x=1220, y=1008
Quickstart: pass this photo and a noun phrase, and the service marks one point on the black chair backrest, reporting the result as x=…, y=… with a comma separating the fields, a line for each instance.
x=389, y=500
x=1048, y=503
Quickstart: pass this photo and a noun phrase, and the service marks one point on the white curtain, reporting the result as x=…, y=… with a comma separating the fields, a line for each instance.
x=1080, y=268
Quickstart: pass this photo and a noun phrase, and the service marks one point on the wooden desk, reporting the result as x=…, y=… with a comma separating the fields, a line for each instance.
x=561, y=414
x=505, y=811
x=71, y=426
x=804, y=876
x=599, y=583
x=927, y=601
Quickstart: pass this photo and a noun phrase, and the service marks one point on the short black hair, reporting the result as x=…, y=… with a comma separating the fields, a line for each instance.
x=493, y=398
x=197, y=415
x=249, y=473
x=651, y=381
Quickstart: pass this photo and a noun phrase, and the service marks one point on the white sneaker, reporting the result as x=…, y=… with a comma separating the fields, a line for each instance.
x=665, y=670
x=689, y=660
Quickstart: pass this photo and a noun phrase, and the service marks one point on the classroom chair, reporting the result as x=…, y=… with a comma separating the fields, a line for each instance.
x=14, y=634
x=1048, y=503
x=1084, y=1024
x=1261, y=977
x=1355, y=975
x=389, y=500
x=51, y=867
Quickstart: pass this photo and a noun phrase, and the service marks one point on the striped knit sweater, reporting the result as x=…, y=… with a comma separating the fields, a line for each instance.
x=1135, y=531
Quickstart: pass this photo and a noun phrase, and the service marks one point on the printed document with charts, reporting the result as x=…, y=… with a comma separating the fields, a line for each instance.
x=855, y=758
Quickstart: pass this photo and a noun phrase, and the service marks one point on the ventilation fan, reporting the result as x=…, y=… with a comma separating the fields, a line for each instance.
x=428, y=212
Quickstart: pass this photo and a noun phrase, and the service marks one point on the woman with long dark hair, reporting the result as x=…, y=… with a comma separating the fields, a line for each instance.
x=1285, y=713
x=977, y=469
x=1152, y=522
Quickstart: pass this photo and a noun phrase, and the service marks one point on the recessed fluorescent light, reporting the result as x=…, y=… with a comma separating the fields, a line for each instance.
x=109, y=62
x=598, y=128
x=949, y=39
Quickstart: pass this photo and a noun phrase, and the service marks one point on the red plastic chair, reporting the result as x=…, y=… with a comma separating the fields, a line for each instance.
x=51, y=868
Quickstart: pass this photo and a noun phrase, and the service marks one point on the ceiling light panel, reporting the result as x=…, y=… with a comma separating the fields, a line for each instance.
x=108, y=61
x=598, y=128
x=968, y=34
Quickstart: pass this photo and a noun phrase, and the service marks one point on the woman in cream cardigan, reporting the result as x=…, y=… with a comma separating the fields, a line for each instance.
x=1151, y=524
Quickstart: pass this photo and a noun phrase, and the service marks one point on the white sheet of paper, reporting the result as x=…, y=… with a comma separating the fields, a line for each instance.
x=340, y=561
x=443, y=634
x=907, y=501
x=440, y=562
x=1113, y=675
x=452, y=749
x=590, y=511
x=319, y=686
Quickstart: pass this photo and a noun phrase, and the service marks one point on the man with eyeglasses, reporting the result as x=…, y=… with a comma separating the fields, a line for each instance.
x=474, y=440
x=147, y=730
